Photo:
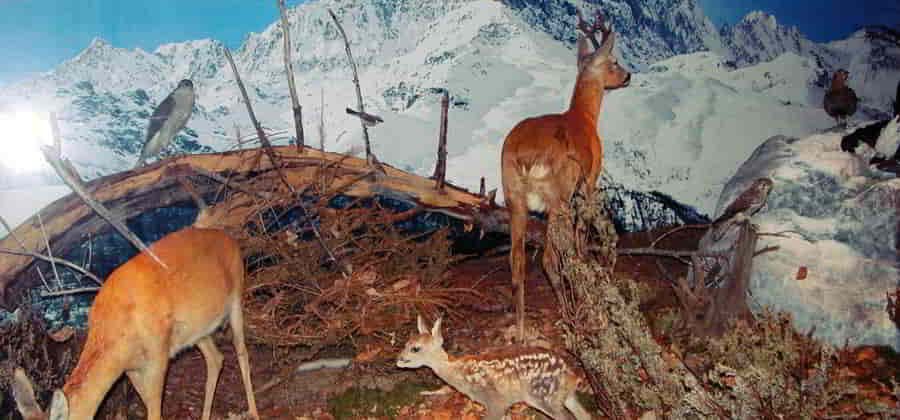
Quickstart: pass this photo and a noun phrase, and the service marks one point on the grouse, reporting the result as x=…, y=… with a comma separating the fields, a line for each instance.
x=840, y=100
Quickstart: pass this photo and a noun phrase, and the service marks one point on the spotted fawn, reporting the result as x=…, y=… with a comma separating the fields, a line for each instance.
x=500, y=378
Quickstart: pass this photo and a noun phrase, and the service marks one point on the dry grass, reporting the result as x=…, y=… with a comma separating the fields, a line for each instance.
x=297, y=295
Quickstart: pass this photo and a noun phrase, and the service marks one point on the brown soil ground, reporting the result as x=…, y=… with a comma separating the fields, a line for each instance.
x=326, y=394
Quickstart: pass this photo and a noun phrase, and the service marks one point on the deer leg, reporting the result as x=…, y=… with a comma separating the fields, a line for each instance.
x=518, y=225
x=240, y=346
x=213, y=358
x=149, y=382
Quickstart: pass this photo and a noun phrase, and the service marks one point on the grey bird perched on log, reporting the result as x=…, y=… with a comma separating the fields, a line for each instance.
x=169, y=117
x=369, y=119
x=840, y=100
x=749, y=202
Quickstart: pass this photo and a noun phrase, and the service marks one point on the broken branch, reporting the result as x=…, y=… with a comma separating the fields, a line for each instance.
x=267, y=146
x=440, y=169
x=289, y=70
x=67, y=172
x=59, y=261
x=359, y=99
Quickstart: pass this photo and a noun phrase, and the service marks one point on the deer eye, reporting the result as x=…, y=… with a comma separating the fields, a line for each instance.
x=416, y=349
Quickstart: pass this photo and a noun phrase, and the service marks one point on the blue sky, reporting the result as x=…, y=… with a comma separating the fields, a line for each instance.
x=35, y=35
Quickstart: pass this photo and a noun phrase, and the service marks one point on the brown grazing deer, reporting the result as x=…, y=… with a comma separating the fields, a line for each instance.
x=840, y=100
x=500, y=378
x=545, y=158
x=144, y=315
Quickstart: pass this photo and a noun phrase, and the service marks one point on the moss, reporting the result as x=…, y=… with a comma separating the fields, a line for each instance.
x=358, y=401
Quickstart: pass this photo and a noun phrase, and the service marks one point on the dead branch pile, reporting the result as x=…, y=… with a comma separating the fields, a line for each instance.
x=297, y=295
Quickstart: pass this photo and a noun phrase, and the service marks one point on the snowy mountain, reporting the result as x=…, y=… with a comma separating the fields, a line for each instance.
x=874, y=67
x=650, y=30
x=689, y=118
x=758, y=37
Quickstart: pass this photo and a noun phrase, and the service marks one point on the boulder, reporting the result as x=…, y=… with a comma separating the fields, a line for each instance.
x=837, y=253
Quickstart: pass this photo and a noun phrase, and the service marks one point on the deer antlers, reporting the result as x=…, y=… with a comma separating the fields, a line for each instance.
x=591, y=30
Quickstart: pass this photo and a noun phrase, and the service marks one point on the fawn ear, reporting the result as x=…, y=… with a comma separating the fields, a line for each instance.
x=436, y=329
x=23, y=393
x=423, y=329
x=607, y=47
x=584, y=50
x=59, y=407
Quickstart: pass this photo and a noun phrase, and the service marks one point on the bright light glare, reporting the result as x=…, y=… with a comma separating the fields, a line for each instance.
x=22, y=133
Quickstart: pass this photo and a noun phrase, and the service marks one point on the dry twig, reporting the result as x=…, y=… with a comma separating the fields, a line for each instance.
x=267, y=146
x=289, y=71
x=67, y=172
x=359, y=99
x=440, y=169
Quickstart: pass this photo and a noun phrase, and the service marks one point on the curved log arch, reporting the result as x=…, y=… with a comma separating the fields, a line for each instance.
x=131, y=193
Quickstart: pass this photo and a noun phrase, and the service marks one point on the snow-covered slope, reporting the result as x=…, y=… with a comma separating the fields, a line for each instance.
x=840, y=219
x=650, y=30
x=680, y=128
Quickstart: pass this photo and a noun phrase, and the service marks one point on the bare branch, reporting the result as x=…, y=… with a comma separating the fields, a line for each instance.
x=359, y=99
x=59, y=282
x=67, y=172
x=440, y=169
x=766, y=249
x=11, y=233
x=289, y=70
x=59, y=261
x=71, y=291
x=267, y=146
x=22, y=245
x=322, y=119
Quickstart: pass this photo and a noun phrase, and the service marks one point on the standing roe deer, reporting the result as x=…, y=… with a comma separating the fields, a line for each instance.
x=545, y=158
x=500, y=378
x=143, y=315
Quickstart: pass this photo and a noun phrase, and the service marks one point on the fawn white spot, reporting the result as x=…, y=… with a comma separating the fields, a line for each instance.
x=535, y=202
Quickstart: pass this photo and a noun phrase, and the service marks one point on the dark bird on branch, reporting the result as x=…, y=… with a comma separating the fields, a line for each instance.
x=369, y=119
x=169, y=117
x=749, y=202
x=840, y=100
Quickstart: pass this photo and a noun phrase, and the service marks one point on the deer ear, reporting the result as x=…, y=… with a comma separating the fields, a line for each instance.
x=423, y=329
x=436, y=335
x=584, y=50
x=436, y=329
x=608, y=43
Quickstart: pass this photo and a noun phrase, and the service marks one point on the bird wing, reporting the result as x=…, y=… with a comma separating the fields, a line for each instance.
x=160, y=114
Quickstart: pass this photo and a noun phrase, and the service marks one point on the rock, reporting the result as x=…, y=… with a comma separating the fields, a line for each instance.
x=838, y=217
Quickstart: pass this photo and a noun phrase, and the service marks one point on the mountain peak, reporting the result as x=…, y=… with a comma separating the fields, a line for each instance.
x=759, y=16
x=98, y=42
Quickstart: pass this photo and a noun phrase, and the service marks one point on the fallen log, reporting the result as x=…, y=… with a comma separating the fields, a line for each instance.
x=128, y=194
